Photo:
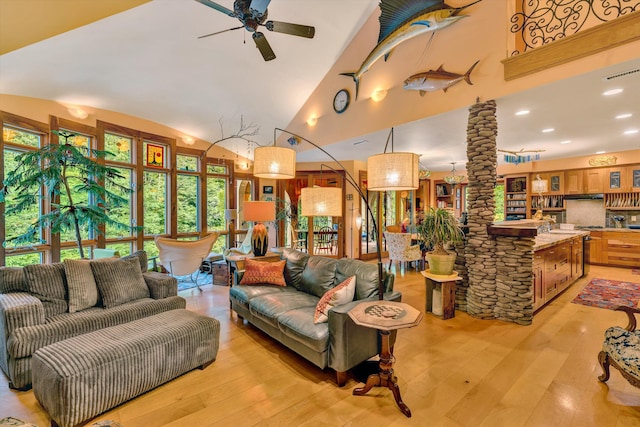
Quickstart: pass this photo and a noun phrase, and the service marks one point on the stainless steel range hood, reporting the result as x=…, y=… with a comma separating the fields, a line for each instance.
x=599, y=196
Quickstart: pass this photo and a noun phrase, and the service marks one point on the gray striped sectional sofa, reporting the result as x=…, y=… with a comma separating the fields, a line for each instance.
x=47, y=303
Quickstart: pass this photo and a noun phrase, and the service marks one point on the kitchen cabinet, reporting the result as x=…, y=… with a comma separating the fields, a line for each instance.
x=538, y=279
x=621, y=248
x=634, y=177
x=593, y=181
x=553, y=271
x=616, y=180
x=555, y=182
x=573, y=182
x=577, y=268
x=595, y=248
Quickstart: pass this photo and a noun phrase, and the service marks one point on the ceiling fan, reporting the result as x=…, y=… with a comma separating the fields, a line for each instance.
x=253, y=13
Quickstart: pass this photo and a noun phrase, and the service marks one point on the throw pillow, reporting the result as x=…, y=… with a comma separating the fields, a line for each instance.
x=12, y=280
x=141, y=256
x=119, y=280
x=341, y=294
x=263, y=273
x=47, y=282
x=83, y=291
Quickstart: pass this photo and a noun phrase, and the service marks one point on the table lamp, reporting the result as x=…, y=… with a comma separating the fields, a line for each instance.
x=259, y=212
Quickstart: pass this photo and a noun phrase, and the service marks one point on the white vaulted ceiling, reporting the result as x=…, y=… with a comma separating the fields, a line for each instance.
x=147, y=62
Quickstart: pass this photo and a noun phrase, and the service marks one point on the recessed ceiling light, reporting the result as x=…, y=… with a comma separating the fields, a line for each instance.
x=631, y=131
x=522, y=112
x=565, y=142
x=624, y=116
x=548, y=130
x=613, y=92
x=600, y=152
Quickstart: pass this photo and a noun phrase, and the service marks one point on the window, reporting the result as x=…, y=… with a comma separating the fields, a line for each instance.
x=188, y=195
x=155, y=203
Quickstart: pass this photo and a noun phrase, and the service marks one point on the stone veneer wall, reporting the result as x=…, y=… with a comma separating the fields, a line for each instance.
x=499, y=280
x=514, y=279
x=480, y=248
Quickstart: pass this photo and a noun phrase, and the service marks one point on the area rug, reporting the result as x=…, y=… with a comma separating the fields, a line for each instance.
x=185, y=282
x=609, y=294
x=635, y=271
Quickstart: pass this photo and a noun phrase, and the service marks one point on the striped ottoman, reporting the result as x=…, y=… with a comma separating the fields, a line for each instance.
x=81, y=377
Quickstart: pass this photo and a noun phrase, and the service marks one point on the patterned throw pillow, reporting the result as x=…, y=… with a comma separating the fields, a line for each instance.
x=119, y=280
x=83, y=291
x=341, y=294
x=263, y=273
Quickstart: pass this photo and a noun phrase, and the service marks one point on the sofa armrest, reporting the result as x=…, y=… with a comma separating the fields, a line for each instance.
x=161, y=285
x=17, y=310
x=237, y=276
x=351, y=344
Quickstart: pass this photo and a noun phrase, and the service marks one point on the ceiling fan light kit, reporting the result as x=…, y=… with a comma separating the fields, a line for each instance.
x=253, y=14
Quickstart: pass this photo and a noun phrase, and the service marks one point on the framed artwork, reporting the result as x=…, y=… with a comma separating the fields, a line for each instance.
x=155, y=156
x=267, y=189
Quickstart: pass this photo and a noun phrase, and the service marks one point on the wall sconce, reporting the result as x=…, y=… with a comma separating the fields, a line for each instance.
x=188, y=140
x=312, y=121
x=78, y=112
x=378, y=95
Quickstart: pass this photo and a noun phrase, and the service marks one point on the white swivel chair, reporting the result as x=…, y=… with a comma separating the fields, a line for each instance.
x=184, y=257
x=401, y=249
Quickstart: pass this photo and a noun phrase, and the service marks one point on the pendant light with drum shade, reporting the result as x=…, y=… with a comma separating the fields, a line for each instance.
x=321, y=201
x=274, y=162
x=393, y=171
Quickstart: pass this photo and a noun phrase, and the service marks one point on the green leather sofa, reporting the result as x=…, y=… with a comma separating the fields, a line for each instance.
x=286, y=313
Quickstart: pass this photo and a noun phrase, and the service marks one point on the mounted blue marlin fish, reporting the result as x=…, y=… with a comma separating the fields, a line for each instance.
x=402, y=20
x=433, y=80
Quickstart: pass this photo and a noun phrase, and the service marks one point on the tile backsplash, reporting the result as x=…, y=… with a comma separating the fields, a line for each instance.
x=630, y=217
x=586, y=213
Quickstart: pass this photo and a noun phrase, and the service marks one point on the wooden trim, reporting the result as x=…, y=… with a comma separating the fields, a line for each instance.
x=625, y=29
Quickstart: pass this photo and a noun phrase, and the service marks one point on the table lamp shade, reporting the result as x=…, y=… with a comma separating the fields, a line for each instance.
x=321, y=201
x=274, y=162
x=259, y=212
x=393, y=171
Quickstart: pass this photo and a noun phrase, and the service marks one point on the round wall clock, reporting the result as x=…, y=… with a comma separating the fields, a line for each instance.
x=341, y=101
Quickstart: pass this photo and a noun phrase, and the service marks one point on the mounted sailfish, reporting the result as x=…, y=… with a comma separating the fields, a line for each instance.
x=433, y=80
x=401, y=20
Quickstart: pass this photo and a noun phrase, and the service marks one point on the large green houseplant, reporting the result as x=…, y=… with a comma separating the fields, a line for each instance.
x=440, y=228
x=80, y=189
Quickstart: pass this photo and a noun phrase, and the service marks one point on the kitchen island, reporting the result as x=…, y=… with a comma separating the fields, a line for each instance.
x=558, y=262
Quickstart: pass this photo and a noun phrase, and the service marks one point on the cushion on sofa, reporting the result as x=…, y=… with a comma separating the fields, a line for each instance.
x=296, y=263
x=263, y=273
x=319, y=276
x=244, y=294
x=119, y=280
x=12, y=280
x=141, y=256
x=24, y=341
x=47, y=282
x=366, y=275
x=298, y=324
x=83, y=291
x=341, y=294
x=269, y=307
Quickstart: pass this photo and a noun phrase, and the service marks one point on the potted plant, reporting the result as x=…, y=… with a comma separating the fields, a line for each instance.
x=74, y=181
x=438, y=229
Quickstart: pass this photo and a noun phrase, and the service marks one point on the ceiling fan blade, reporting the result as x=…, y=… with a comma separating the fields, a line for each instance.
x=217, y=7
x=263, y=46
x=260, y=6
x=293, y=29
x=220, y=32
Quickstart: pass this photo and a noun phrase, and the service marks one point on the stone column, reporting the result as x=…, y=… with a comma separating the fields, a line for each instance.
x=480, y=250
x=514, y=279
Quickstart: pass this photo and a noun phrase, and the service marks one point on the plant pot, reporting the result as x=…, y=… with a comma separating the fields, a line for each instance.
x=441, y=264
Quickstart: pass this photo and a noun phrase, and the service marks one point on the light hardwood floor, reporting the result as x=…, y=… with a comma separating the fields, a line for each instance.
x=458, y=372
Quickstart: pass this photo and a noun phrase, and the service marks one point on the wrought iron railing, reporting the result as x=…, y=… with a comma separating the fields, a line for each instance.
x=539, y=22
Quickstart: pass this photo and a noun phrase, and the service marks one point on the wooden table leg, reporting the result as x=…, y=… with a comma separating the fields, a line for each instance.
x=385, y=377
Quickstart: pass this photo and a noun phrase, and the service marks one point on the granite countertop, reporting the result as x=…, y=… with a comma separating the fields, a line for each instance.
x=635, y=230
x=546, y=240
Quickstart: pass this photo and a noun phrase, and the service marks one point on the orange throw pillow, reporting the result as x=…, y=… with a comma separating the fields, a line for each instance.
x=263, y=273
